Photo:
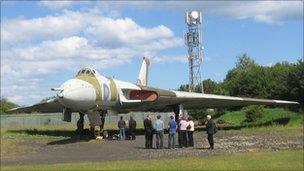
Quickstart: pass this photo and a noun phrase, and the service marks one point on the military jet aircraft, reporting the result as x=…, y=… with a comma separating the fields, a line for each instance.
x=95, y=95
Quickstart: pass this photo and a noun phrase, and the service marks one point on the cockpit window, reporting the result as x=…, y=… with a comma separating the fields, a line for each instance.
x=87, y=71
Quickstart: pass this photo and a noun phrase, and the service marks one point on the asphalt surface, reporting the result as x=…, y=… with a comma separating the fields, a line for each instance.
x=75, y=150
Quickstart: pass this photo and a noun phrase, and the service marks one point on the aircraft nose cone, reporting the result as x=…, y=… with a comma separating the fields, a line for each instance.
x=77, y=95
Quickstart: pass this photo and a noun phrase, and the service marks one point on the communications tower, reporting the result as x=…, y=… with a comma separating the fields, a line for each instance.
x=193, y=41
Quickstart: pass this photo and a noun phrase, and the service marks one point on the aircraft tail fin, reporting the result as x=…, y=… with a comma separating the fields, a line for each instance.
x=144, y=72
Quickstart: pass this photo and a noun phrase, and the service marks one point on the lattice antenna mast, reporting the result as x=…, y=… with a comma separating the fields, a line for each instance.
x=193, y=41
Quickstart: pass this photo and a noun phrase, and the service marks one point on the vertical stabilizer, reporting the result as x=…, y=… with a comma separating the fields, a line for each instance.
x=144, y=71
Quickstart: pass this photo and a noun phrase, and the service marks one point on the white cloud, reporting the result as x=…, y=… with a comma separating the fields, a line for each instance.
x=168, y=59
x=51, y=26
x=126, y=31
x=262, y=11
x=104, y=30
x=36, y=48
x=56, y=4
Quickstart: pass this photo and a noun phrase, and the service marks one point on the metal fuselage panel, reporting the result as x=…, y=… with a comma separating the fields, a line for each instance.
x=106, y=90
x=111, y=94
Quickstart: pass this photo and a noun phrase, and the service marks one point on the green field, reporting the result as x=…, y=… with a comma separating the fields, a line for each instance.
x=284, y=160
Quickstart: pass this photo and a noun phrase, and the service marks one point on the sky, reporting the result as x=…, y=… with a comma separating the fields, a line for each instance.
x=44, y=43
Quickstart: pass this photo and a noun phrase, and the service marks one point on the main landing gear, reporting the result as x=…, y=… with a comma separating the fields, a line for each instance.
x=99, y=121
x=80, y=124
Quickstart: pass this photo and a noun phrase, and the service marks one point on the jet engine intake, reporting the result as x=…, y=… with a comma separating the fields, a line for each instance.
x=144, y=95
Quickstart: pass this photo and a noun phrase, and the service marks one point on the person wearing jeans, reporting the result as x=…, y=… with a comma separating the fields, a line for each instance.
x=159, y=127
x=172, y=126
x=122, y=126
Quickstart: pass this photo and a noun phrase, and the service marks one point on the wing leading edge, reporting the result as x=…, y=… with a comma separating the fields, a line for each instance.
x=49, y=106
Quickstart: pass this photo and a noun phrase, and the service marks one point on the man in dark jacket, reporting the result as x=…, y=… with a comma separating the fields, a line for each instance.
x=211, y=129
x=148, y=131
x=122, y=125
x=132, y=128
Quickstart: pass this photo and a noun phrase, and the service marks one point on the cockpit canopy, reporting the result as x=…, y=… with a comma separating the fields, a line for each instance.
x=87, y=71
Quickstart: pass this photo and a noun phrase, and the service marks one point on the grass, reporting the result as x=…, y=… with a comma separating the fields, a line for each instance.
x=284, y=160
x=270, y=116
x=17, y=140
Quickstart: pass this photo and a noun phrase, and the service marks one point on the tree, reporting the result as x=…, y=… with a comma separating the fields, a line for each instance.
x=244, y=61
x=183, y=87
x=6, y=105
x=295, y=81
x=277, y=76
x=209, y=86
x=249, y=82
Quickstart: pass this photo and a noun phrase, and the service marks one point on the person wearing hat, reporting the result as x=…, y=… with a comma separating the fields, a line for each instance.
x=211, y=129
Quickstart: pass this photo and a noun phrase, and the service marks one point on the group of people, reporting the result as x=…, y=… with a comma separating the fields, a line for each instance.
x=184, y=129
x=122, y=128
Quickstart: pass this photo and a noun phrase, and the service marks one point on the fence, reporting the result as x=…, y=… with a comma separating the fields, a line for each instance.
x=12, y=120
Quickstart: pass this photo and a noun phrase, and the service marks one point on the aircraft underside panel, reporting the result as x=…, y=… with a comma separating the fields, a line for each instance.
x=94, y=119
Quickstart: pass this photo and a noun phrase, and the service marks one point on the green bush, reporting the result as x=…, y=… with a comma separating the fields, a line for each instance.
x=220, y=121
x=6, y=105
x=253, y=113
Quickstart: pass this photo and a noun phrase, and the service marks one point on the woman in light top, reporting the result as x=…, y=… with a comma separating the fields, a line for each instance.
x=190, y=130
x=183, y=131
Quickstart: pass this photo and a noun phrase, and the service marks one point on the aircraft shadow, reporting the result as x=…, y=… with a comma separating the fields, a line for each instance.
x=69, y=136
x=56, y=133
